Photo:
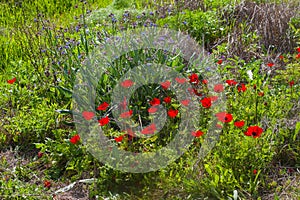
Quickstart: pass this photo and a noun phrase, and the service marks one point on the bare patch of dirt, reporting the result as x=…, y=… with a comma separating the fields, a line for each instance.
x=10, y=160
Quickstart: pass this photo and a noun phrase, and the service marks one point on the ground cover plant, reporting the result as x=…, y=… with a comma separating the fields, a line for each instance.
x=253, y=46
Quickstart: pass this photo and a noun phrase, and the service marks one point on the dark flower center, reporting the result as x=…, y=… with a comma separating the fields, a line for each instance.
x=254, y=133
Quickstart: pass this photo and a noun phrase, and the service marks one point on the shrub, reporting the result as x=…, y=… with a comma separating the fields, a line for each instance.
x=200, y=25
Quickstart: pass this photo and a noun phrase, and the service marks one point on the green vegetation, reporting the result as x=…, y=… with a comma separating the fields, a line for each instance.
x=45, y=44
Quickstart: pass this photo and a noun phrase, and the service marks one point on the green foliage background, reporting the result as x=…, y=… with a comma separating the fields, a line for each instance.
x=36, y=110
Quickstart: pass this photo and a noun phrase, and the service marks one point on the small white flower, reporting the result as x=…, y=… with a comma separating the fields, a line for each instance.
x=235, y=194
x=250, y=74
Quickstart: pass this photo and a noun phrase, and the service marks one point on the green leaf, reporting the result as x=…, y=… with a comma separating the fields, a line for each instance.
x=217, y=178
x=175, y=106
x=39, y=145
x=179, y=68
x=65, y=91
x=207, y=168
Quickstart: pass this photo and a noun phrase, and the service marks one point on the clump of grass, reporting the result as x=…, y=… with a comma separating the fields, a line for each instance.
x=263, y=26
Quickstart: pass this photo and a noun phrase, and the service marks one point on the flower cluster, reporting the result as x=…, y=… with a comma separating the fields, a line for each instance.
x=205, y=101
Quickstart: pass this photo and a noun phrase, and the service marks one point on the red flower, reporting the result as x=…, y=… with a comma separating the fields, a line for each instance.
x=172, y=113
x=281, y=57
x=88, y=115
x=167, y=99
x=180, y=80
x=206, y=102
x=75, y=139
x=154, y=102
x=40, y=154
x=152, y=109
x=103, y=106
x=149, y=129
x=261, y=94
x=254, y=86
x=242, y=88
x=103, y=121
x=224, y=117
x=254, y=131
x=185, y=102
x=197, y=133
x=127, y=83
x=297, y=56
x=239, y=124
x=47, y=184
x=291, y=83
x=298, y=49
x=119, y=139
x=165, y=84
x=270, y=64
x=231, y=82
x=219, y=88
x=204, y=81
x=126, y=114
x=11, y=81
x=194, y=78
x=219, y=62
x=254, y=171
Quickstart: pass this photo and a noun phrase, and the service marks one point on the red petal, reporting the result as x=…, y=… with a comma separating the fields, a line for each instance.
x=155, y=101
x=167, y=99
x=172, y=113
x=194, y=78
x=180, y=80
x=165, y=84
x=127, y=83
x=75, y=139
x=231, y=82
x=149, y=129
x=119, y=139
x=11, y=81
x=47, y=184
x=206, y=102
x=185, y=102
x=218, y=88
x=152, y=109
x=239, y=124
x=103, y=121
x=88, y=115
x=103, y=106
x=126, y=114
x=224, y=117
x=197, y=133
